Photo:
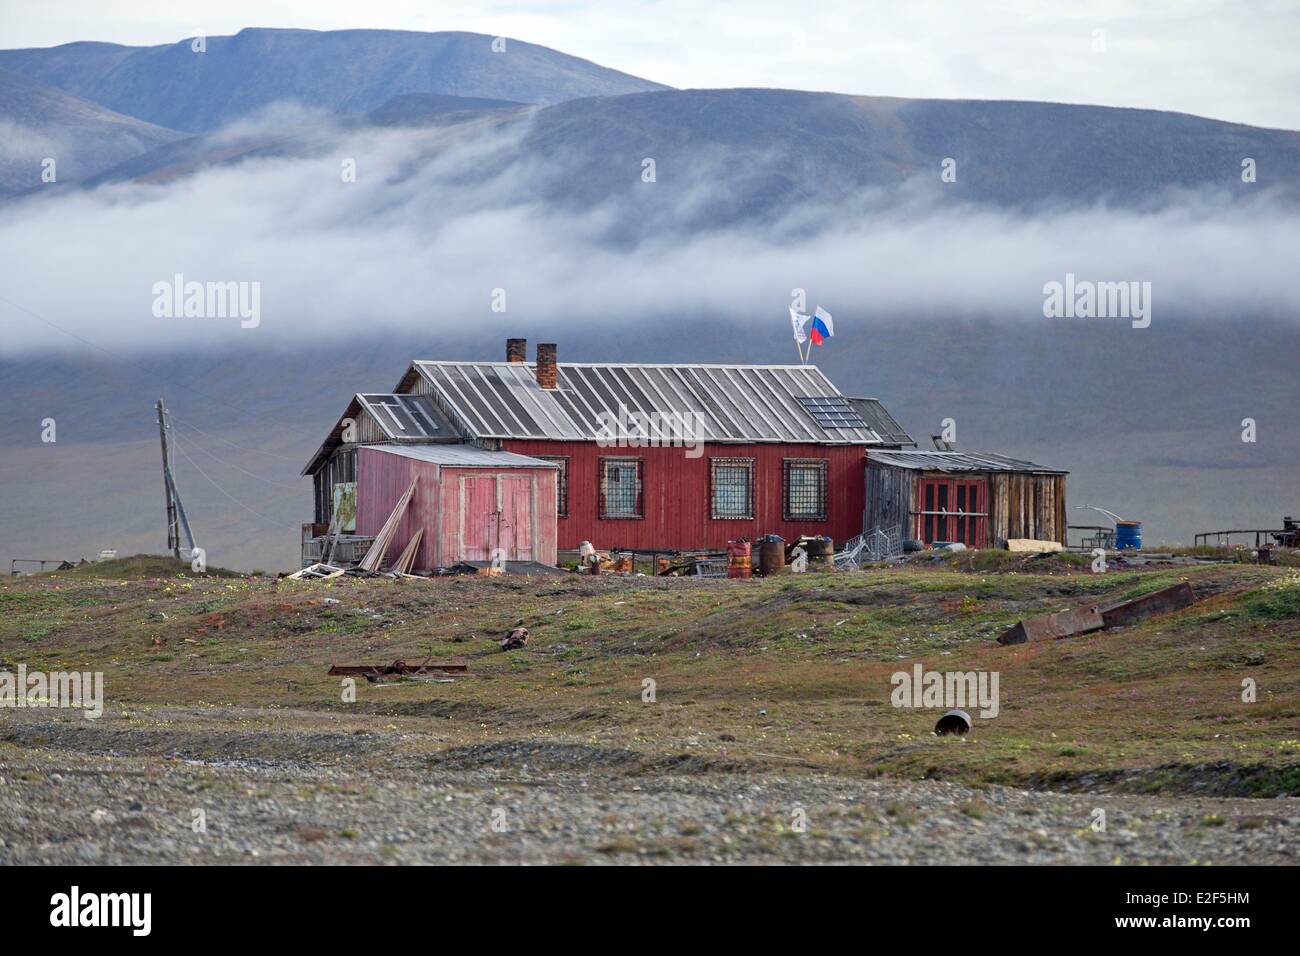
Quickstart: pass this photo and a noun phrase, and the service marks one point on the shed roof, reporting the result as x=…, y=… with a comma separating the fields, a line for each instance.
x=413, y=417
x=736, y=403
x=463, y=456
x=956, y=461
x=880, y=421
x=399, y=417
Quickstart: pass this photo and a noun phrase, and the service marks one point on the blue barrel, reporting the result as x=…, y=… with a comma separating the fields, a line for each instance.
x=1128, y=535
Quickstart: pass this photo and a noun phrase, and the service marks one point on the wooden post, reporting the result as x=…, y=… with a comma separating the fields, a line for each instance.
x=176, y=517
x=173, y=532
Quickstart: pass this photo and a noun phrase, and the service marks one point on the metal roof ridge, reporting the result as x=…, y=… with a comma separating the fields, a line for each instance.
x=617, y=364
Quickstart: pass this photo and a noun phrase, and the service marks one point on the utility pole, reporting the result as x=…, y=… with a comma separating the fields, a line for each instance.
x=176, y=518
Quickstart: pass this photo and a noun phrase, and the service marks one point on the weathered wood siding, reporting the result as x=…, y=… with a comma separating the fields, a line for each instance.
x=537, y=542
x=890, y=493
x=341, y=465
x=1026, y=506
x=1020, y=505
x=383, y=478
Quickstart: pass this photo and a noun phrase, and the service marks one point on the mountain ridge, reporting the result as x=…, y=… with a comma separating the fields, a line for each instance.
x=171, y=85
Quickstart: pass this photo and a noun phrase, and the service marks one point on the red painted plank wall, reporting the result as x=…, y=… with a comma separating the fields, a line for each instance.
x=449, y=531
x=676, y=495
x=382, y=479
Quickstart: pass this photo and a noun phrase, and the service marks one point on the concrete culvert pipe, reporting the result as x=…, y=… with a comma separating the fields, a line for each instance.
x=953, y=722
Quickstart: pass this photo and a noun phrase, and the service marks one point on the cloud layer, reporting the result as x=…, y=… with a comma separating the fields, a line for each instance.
x=434, y=224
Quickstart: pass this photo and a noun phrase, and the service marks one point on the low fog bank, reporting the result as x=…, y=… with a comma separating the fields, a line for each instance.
x=448, y=228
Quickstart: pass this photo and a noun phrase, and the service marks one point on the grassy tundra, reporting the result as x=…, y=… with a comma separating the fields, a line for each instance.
x=785, y=678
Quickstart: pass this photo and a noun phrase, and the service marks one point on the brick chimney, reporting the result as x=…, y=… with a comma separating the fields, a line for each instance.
x=516, y=350
x=546, y=367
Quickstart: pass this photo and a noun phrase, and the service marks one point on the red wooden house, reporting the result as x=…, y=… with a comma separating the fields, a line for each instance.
x=626, y=456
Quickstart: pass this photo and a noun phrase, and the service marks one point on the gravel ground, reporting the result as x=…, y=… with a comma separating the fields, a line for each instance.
x=521, y=802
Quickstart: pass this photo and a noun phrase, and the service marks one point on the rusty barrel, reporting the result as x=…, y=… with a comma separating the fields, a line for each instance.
x=771, y=555
x=740, y=559
x=821, y=554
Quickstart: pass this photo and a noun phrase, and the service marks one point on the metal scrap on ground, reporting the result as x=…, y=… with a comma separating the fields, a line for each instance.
x=374, y=672
x=1083, y=620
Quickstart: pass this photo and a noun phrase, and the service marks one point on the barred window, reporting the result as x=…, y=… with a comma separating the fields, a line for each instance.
x=731, y=481
x=804, y=489
x=561, y=483
x=621, y=487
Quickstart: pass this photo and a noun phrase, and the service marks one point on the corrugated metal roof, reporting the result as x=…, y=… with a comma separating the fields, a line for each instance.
x=955, y=461
x=399, y=417
x=880, y=421
x=736, y=403
x=463, y=456
x=405, y=417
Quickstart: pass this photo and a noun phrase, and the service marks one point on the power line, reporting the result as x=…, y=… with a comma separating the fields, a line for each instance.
x=271, y=454
x=221, y=461
x=208, y=478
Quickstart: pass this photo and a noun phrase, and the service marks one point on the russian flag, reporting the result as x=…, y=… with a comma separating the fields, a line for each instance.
x=822, y=326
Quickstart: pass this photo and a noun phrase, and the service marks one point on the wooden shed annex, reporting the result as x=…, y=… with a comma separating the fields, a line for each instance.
x=980, y=500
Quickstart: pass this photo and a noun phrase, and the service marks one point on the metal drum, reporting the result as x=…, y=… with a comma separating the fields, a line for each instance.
x=771, y=555
x=1128, y=535
x=740, y=559
x=821, y=554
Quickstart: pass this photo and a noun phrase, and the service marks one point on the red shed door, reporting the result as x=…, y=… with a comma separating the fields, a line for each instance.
x=516, y=516
x=496, y=513
x=479, y=521
x=954, y=510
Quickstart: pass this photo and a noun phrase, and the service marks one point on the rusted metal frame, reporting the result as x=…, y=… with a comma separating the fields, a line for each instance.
x=751, y=466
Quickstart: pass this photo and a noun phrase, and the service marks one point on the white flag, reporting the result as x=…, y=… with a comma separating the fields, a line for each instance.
x=800, y=323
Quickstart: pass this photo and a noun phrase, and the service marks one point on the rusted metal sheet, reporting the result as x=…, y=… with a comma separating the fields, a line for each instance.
x=1082, y=620
x=374, y=672
x=1051, y=627
x=1168, y=599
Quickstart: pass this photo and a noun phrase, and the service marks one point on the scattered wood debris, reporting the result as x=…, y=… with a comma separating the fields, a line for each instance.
x=375, y=555
x=406, y=559
x=316, y=571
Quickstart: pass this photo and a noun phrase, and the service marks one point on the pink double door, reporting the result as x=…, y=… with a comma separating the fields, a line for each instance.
x=496, y=514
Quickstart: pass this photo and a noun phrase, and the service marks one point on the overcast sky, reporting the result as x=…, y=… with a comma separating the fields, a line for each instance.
x=1228, y=60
